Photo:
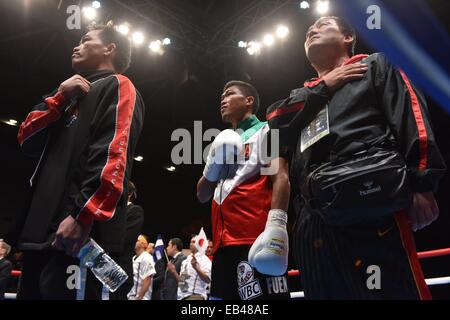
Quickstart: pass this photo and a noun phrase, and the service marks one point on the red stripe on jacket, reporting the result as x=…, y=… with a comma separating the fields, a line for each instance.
x=102, y=204
x=278, y=112
x=423, y=138
x=38, y=120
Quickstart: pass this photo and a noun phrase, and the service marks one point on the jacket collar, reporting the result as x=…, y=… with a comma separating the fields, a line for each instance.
x=96, y=75
x=356, y=58
x=248, y=123
x=176, y=256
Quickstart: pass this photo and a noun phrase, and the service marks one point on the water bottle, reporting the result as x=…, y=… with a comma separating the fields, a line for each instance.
x=105, y=269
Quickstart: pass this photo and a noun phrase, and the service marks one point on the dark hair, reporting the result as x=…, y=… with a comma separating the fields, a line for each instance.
x=345, y=28
x=248, y=90
x=178, y=243
x=132, y=191
x=108, y=35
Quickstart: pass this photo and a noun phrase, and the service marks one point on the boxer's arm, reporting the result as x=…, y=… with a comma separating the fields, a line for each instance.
x=281, y=187
x=205, y=189
x=269, y=252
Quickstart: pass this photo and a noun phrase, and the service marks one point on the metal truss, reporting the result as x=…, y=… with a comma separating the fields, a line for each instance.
x=192, y=23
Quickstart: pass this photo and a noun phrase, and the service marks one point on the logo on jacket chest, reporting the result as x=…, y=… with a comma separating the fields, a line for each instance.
x=72, y=116
x=316, y=130
x=247, y=151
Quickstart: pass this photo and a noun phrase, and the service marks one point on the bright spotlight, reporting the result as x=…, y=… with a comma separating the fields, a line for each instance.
x=322, y=6
x=242, y=44
x=11, y=122
x=155, y=46
x=123, y=29
x=282, y=31
x=138, y=37
x=89, y=13
x=139, y=158
x=268, y=40
x=253, y=48
x=96, y=4
x=166, y=41
x=171, y=168
x=304, y=5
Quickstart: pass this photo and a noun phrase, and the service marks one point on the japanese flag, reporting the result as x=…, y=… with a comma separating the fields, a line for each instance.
x=201, y=242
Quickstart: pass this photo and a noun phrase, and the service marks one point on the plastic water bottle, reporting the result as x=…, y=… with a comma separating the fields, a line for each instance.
x=105, y=269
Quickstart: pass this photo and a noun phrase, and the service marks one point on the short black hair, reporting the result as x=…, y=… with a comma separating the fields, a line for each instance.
x=177, y=242
x=109, y=34
x=247, y=89
x=346, y=29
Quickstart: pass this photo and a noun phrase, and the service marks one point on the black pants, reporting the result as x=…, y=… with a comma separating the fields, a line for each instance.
x=232, y=278
x=338, y=262
x=44, y=277
x=134, y=223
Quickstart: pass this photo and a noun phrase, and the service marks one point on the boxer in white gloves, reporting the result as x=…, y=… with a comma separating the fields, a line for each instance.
x=223, y=152
x=250, y=201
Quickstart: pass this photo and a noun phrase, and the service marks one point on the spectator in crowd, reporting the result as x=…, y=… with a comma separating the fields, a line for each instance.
x=195, y=275
x=209, y=250
x=174, y=249
x=5, y=267
x=150, y=248
x=143, y=271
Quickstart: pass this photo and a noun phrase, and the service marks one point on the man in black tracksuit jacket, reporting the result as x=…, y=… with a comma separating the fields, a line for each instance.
x=363, y=97
x=85, y=134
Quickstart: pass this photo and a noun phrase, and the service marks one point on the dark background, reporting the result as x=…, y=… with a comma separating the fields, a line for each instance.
x=179, y=87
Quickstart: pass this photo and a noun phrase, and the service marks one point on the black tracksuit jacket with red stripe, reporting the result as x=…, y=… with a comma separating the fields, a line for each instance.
x=86, y=149
x=384, y=102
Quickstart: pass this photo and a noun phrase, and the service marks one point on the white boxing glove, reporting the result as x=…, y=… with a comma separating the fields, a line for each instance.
x=225, y=146
x=269, y=252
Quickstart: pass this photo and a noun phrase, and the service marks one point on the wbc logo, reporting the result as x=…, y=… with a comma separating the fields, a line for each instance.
x=249, y=288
